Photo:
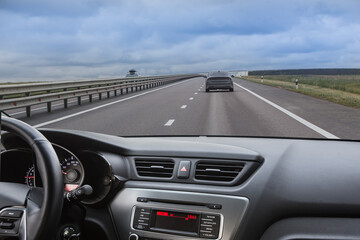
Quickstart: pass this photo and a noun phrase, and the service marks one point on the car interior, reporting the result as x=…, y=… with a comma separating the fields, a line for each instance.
x=62, y=184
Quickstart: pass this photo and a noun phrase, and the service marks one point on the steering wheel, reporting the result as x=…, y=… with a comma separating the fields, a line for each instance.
x=29, y=212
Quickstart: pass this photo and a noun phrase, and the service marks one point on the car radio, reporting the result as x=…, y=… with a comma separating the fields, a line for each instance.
x=177, y=222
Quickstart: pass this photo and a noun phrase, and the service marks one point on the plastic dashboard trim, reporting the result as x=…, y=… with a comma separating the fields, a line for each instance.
x=123, y=204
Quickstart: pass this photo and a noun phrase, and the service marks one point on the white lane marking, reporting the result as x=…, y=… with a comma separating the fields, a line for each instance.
x=12, y=114
x=191, y=98
x=170, y=122
x=199, y=89
x=105, y=105
x=292, y=115
x=195, y=93
x=183, y=106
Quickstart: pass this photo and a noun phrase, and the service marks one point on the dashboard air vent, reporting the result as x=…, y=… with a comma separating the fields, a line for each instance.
x=218, y=171
x=161, y=168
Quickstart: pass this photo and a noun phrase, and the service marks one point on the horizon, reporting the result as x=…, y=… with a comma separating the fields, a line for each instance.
x=87, y=39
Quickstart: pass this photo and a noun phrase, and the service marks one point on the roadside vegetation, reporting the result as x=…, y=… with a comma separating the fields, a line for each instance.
x=13, y=83
x=341, y=89
x=33, y=93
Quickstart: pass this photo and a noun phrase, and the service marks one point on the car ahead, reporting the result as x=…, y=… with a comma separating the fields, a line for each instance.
x=219, y=80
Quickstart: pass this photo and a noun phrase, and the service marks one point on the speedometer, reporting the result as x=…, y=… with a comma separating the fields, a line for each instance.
x=72, y=171
x=30, y=177
x=71, y=167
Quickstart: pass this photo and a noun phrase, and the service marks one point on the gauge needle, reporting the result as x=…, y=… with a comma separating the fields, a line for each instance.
x=29, y=177
x=64, y=172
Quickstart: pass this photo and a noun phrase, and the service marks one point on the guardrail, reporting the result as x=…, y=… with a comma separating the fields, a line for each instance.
x=39, y=93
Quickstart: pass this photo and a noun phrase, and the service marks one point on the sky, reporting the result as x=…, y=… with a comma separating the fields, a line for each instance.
x=87, y=39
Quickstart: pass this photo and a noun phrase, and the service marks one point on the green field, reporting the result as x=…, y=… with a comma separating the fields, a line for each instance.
x=341, y=89
x=33, y=93
x=12, y=83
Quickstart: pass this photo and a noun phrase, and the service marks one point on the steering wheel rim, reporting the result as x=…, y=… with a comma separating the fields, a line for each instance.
x=43, y=208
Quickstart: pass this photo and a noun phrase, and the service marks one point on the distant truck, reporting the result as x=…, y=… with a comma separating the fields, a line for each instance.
x=132, y=73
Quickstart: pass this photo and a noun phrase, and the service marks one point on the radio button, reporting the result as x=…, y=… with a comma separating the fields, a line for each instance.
x=210, y=229
x=206, y=229
x=141, y=218
x=207, y=235
x=141, y=226
x=210, y=216
x=214, y=206
x=142, y=215
x=209, y=225
x=143, y=210
x=142, y=199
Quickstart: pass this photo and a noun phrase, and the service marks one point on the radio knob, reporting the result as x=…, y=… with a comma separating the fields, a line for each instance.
x=133, y=236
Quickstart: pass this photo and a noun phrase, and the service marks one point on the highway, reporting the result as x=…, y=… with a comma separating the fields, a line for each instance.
x=184, y=108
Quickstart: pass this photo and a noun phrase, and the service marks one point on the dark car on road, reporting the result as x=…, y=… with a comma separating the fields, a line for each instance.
x=219, y=80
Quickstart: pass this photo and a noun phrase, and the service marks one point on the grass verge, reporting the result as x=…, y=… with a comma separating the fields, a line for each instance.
x=348, y=98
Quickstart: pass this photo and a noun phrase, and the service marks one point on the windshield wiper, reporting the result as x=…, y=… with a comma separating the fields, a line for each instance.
x=6, y=114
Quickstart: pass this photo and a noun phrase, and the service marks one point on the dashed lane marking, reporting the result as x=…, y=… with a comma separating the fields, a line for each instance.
x=107, y=104
x=169, y=123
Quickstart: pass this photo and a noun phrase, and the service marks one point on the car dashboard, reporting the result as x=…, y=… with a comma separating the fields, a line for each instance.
x=200, y=187
x=19, y=166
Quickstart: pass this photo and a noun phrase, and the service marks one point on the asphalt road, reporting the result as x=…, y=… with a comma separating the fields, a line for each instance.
x=184, y=108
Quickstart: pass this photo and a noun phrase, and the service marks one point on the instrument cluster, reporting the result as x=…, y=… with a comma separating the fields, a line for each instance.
x=19, y=166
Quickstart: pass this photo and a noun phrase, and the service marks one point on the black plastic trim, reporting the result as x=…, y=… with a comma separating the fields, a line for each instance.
x=313, y=229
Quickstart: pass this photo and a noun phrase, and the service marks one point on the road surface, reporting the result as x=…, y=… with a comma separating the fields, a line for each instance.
x=184, y=108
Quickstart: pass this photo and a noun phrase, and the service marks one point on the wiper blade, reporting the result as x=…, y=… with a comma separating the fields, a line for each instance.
x=6, y=114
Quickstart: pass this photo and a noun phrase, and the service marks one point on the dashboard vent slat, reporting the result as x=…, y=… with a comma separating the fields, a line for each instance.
x=161, y=168
x=218, y=171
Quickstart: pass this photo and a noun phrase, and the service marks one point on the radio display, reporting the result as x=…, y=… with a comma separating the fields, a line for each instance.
x=169, y=221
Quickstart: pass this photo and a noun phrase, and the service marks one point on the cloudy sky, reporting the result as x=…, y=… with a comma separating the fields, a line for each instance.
x=68, y=39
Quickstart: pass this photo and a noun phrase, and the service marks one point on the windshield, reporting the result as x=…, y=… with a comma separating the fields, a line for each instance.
x=231, y=68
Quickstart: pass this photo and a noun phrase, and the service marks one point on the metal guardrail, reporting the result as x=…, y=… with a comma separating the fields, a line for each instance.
x=39, y=93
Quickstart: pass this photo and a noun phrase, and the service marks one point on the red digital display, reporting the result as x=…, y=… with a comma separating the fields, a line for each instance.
x=166, y=214
x=162, y=214
x=175, y=221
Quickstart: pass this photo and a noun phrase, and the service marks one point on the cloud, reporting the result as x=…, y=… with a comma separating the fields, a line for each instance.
x=52, y=40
